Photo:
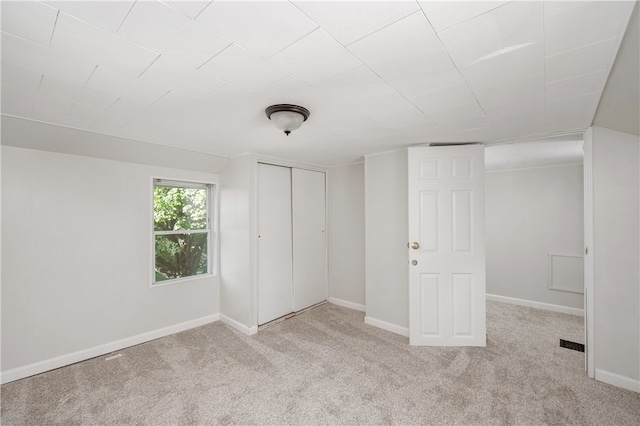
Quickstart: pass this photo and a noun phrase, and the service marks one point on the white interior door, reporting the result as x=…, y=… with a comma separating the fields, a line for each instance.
x=274, y=243
x=447, y=301
x=309, y=239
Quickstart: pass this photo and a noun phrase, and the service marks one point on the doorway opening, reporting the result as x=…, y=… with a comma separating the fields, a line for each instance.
x=535, y=210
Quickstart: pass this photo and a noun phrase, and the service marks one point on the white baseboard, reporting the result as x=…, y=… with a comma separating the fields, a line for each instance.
x=403, y=331
x=537, y=305
x=618, y=380
x=347, y=304
x=85, y=354
x=249, y=331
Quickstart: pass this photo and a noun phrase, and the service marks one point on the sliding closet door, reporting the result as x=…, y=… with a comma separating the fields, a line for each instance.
x=274, y=243
x=309, y=239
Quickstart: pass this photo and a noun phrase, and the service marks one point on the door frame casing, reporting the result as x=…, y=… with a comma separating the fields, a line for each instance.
x=589, y=250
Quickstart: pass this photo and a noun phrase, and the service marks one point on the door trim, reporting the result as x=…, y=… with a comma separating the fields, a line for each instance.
x=589, y=250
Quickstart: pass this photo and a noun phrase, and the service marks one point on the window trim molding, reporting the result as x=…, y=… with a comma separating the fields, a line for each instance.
x=212, y=207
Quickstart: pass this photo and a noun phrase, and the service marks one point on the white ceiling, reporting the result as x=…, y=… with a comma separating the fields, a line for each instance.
x=376, y=75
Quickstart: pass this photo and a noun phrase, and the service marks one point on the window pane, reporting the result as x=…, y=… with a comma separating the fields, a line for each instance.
x=179, y=208
x=181, y=255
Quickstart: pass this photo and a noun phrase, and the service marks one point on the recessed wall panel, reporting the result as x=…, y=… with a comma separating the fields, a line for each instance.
x=429, y=220
x=461, y=168
x=462, y=220
x=462, y=287
x=428, y=168
x=429, y=324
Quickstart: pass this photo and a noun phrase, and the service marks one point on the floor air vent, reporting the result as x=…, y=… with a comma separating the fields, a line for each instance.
x=571, y=345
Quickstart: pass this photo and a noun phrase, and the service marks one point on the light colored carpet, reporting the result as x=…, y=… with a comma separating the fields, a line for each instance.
x=327, y=367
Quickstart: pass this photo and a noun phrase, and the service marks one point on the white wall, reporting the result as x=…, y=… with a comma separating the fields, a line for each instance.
x=77, y=261
x=346, y=236
x=530, y=213
x=237, y=244
x=386, y=233
x=616, y=255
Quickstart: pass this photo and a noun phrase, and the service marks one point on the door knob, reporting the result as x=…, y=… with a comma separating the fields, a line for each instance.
x=414, y=262
x=415, y=245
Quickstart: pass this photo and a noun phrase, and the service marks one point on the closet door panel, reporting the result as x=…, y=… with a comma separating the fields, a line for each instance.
x=309, y=239
x=274, y=243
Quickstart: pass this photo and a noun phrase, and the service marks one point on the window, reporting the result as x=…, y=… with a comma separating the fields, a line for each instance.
x=181, y=229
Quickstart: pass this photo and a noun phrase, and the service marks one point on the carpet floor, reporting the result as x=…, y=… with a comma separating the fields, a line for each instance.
x=326, y=366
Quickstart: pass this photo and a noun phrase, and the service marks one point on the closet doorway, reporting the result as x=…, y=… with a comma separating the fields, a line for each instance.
x=292, y=248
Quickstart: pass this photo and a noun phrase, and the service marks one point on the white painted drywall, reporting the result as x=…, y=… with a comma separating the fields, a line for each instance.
x=77, y=257
x=237, y=245
x=346, y=234
x=530, y=213
x=386, y=233
x=616, y=199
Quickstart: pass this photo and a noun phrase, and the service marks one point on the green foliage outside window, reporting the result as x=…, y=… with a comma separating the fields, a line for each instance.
x=177, y=213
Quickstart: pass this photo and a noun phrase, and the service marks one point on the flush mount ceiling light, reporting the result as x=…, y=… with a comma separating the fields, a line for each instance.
x=287, y=117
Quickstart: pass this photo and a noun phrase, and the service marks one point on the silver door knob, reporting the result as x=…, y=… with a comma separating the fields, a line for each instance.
x=414, y=262
x=415, y=245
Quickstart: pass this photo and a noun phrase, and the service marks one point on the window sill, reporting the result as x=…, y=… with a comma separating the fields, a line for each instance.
x=182, y=280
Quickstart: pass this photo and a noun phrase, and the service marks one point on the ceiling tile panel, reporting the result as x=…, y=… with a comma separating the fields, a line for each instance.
x=532, y=106
x=446, y=98
x=360, y=84
x=594, y=22
x=443, y=15
x=488, y=133
x=53, y=89
x=107, y=15
x=162, y=29
x=292, y=90
x=315, y=58
x=180, y=105
x=91, y=43
x=242, y=69
x=556, y=110
x=425, y=77
x=349, y=21
x=172, y=75
x=555, y=7
x=191, y=8
x=43, y=60
x=522, y=125
x=121, y=85
x=263, y=28
x=586, y=60
x=29, y=20
x=118, y=114
x=513, y=91
x=19, y=83
x=399, y=46
x=502, y=30
x=570, y=88
x=508, y=67
x=460, y=114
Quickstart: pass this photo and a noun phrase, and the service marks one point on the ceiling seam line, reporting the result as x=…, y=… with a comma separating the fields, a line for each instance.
x=205, y=8
x=90, y=75
x=149, y=66
x=125, y=17
x=460, y=74
x=292, y=43
x=214, y=56
x=384, y=27
x=473, y=17
x=53, y=30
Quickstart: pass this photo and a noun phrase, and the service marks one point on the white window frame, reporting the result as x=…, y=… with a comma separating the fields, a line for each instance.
x=212, y=226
